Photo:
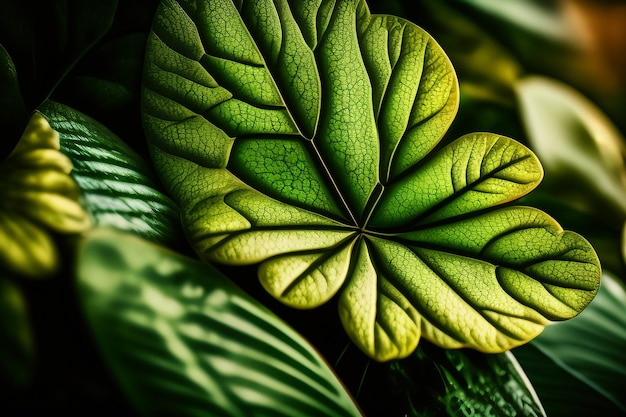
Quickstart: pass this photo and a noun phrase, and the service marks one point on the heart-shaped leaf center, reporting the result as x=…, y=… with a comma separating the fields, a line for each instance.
x=302, y=135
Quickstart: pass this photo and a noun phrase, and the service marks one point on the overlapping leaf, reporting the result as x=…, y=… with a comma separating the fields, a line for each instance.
x=39, y=198
x=116, y=183
x=463, y=383
x=185, y=341
x=303, y=135
x=586, y=356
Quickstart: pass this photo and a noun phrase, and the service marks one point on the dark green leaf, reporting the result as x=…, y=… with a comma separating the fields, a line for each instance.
x=118, y=187
x=13, y=114
x=184, y=341
x=292, y=137
x=463, y=383
x=17, y=352
x=110, y=77
x=47, y=38
x=585, y=355
x=107, y=83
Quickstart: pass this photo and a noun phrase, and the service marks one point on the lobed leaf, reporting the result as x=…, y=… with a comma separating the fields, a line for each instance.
x=303, y=136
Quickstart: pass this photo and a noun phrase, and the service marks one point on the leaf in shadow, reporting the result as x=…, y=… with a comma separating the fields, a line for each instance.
x=183, y=340
x=13, y=114
x=17, y=350
x=585, y=355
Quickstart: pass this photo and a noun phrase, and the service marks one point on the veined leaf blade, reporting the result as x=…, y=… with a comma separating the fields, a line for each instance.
x=183, y=340
x=287, y=129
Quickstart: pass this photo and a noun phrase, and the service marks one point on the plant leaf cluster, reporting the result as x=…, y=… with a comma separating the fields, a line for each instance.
x=293, y=138
x=318, y=140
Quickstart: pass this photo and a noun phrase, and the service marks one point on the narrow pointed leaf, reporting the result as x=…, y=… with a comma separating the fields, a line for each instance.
x=183, y=340
x=302, y=135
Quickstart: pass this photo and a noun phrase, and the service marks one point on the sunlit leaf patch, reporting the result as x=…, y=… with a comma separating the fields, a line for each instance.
x=304, y=136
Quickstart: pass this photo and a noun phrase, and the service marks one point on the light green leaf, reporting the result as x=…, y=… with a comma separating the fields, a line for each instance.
x=586, y=355
x=292, y=137
x=39, y=198
x=583, y=152
x=117, y=185
x=184, y=341
x=541, y=19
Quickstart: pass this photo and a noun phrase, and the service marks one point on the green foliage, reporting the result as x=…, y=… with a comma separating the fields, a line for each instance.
x=115, y=340
x=473, y=385
x=290, y=137
x=40, y=199
x=16, y=338
x=586, y=356
x=117, y=185
x=184, y=341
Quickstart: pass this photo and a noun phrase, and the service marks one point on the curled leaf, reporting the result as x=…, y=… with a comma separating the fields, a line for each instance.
x=39, y=196
x=303, y=136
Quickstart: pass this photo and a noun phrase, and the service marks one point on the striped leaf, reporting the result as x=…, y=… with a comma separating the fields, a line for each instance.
x=184, y=341
x=118, y=186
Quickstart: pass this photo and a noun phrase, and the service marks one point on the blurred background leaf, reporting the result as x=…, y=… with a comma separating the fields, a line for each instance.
x=583, y=156
x=182, y=340
x=84, y=53
x=578, y=367
x=46, y=39
x=17, y=350
x=577, y=144
x=13, y=114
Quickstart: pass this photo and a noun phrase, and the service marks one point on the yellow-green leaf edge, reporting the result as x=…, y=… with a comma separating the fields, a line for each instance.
x=383, y=238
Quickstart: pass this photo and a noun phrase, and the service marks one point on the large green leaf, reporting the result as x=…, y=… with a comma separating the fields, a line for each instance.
x=586, y=356
x=302, y=135
x=117, y=184
x=184, y=341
